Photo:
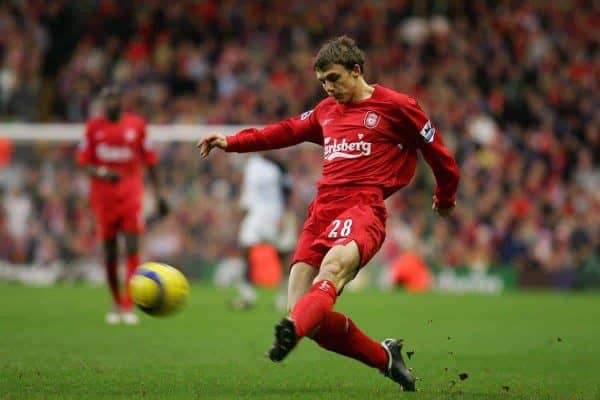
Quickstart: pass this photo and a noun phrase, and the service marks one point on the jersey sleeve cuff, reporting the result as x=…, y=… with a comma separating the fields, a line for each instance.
x=232, y=143
x=444, y=203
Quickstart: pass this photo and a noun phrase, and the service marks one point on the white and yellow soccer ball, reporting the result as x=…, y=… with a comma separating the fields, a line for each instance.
x=158, y=289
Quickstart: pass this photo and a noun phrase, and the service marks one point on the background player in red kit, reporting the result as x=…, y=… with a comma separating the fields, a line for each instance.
x=370, y=136
x=114, y=151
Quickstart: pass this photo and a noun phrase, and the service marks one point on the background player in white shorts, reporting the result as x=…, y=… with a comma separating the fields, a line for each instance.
x=264, y=197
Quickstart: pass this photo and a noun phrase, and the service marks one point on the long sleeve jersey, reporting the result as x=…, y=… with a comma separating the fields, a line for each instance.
x=372, y=142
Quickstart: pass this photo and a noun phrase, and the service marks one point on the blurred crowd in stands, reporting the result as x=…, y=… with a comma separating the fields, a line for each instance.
x=513, y=86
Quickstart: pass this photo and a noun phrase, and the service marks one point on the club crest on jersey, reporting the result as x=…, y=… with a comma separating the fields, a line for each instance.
x=428, y=132
x=371, y=119
x=130, y=135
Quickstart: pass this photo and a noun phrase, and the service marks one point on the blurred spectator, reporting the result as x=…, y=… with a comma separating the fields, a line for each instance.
x=18, y=209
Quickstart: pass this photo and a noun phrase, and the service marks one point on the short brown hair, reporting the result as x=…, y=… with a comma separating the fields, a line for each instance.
x=341, y=50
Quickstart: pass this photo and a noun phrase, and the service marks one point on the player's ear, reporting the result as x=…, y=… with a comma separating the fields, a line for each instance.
x=356, y=71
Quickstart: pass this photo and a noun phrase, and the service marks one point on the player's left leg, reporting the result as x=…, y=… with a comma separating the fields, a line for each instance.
x=338, y=333
x=132, y=243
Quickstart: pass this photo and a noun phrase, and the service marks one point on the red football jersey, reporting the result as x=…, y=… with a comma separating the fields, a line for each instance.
x=121, y=146
x=372, y=142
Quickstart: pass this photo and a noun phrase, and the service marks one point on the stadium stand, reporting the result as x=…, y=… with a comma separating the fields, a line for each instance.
x=513, y=86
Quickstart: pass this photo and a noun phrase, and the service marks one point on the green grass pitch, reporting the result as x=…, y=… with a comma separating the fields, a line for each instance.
x=54, y=345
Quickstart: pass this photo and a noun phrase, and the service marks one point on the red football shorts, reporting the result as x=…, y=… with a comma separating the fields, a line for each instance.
x=338, y=216
x=112, y=218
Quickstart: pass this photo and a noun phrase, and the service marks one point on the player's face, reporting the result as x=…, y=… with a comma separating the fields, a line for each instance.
x=339, y=82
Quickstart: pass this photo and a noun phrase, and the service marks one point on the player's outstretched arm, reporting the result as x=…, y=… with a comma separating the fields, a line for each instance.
x=210, y=142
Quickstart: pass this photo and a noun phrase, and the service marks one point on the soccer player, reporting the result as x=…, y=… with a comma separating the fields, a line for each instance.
x=370, y=136
x=113, y=152
x=264, y=196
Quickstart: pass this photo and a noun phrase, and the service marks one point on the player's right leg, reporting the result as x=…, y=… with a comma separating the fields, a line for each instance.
x=112, y=278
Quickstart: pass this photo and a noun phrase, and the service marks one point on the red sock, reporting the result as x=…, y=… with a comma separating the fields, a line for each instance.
x=133, y=260
x=339, y=334
x=112, y=277
x=310, y=310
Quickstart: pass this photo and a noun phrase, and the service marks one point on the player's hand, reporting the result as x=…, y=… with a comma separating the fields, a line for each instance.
x=210, y=142
x=162, y=207
x=108, y=174
x=442, y=211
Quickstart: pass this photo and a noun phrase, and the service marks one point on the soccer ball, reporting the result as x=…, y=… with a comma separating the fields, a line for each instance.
x=158, y=289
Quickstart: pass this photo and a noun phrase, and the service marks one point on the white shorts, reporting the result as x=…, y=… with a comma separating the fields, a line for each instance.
x=259, y=227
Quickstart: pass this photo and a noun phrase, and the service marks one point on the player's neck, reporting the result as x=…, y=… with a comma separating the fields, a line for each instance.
x=364, y=91
x=112, y=118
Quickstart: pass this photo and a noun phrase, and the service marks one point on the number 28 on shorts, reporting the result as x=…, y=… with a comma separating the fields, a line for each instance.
x=340, y=228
